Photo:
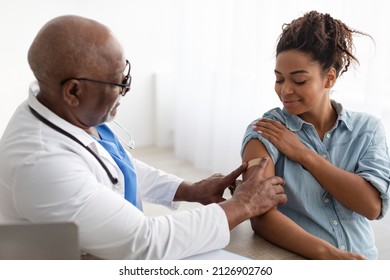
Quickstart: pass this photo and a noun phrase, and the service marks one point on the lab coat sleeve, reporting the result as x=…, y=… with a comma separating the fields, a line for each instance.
x=49, y=189
x=156, y=186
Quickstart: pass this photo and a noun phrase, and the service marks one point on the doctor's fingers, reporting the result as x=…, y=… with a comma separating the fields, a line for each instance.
x=271, y=194
x=230, y=179
x=273, y=184
x=281, y=197
x=258, y=173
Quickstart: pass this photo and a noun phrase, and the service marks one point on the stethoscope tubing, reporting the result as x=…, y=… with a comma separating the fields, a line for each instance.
x=62, y=131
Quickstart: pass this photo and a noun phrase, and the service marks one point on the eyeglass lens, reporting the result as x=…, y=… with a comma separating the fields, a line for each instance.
x=127, y=79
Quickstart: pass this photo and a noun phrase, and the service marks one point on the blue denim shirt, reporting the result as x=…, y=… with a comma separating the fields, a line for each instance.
x=357, y=144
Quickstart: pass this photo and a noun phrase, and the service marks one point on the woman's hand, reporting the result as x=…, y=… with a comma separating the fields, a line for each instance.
x=330, y=252
x=284, y=139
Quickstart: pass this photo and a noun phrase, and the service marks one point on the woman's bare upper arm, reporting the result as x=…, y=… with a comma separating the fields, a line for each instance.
x=256, y=149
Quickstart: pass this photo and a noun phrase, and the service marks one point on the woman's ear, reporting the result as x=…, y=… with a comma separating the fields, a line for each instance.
x=331, y=78
x=71, y=92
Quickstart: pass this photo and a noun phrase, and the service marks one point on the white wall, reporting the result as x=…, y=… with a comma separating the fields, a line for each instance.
x=226, y=61
x=202, y=69
x=143, y=26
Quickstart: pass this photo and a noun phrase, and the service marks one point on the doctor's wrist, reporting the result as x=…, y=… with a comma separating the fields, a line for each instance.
x=185, y=192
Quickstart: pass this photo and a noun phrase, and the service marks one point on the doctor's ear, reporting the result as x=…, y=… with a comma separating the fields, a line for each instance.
x=331, y=78
x=71, y=92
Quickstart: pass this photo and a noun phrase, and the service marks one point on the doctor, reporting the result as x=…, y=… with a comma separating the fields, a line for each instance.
x=59, y=160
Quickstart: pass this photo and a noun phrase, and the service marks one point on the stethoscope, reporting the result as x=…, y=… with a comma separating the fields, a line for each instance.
x=131, y=143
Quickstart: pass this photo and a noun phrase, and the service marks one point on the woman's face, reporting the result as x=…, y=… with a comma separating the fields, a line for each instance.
x=300, y=84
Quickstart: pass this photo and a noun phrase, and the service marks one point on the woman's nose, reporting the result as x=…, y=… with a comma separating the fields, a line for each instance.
x=287, y=88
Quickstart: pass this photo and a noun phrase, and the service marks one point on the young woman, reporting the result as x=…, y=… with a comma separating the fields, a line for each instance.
x=335, y=162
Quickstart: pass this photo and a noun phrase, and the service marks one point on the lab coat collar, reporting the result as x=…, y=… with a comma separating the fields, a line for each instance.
x=79, y=133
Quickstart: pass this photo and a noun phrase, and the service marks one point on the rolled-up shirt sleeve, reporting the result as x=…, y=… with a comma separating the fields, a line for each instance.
x=374, y=165
x=251, y=134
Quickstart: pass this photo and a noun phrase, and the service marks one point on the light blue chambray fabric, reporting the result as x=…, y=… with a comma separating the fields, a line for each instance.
x=357, y=144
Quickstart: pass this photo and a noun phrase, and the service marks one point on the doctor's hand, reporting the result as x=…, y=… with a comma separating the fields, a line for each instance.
x=209, y=190
x=254, y=197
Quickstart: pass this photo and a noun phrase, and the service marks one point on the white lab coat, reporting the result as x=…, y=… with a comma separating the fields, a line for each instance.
x=47, y=177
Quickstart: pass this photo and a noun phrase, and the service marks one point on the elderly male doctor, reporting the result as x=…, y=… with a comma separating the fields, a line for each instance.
x=59, y=160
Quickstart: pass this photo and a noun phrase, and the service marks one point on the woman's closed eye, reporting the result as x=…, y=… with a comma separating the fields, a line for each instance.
x=300, y=82
x=295, y=82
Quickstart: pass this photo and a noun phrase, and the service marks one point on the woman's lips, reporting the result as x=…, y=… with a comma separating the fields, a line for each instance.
x=290, y=103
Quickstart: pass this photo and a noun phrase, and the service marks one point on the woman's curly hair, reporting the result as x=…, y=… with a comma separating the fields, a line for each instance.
x=329, y=41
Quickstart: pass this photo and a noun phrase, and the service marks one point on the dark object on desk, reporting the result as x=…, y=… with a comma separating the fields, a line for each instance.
x=54, y=241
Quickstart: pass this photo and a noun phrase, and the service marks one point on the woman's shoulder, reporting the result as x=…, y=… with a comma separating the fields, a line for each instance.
x=275, y=113
x=355, y=118
x=359, y=118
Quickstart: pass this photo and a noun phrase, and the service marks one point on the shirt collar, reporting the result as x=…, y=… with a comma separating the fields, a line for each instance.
x=295, y=123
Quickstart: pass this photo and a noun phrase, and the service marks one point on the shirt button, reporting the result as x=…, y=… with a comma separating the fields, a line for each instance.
x=326, y=200
x=325, y=156
x=328, y=135
x=335, y=223
x=342, y=248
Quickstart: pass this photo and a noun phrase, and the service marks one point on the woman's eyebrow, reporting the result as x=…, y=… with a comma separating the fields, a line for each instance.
x=293, y=72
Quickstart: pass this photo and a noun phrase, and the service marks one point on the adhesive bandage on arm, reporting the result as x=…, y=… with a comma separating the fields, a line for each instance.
x=253, y=162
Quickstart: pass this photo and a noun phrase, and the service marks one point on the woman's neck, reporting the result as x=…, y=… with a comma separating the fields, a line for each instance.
x=323, y=120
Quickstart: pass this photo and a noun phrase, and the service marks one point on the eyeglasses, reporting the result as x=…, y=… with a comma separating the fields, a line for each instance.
x=125, y=85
